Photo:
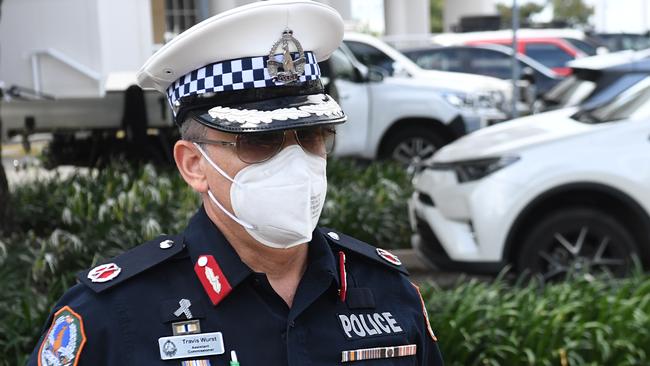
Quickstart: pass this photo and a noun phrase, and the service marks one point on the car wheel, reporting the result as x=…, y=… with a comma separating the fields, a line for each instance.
x=578, y=241
x=412, y=146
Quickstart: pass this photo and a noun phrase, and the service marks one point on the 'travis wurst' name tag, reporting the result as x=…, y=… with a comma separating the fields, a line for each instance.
x=193, y=345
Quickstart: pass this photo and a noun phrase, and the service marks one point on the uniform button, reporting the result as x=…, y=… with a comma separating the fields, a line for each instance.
x=166, y=244
x=333, y=235
x=292, y=324
x=202, y=261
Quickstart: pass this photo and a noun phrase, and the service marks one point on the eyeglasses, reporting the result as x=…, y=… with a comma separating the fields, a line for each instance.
x=258, y=147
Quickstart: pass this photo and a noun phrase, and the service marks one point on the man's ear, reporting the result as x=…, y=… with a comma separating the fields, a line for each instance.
x=188, y=161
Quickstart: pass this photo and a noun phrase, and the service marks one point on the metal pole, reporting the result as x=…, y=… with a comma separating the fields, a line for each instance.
x=515, y=61
x=202, y=10
x=36, y=73
x=4, y=186
x=645, y=15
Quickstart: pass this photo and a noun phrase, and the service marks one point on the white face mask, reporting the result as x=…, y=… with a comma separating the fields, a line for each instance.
x=278, y=201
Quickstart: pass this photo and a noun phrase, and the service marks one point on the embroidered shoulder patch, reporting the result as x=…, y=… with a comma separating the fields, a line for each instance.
x=64, y=340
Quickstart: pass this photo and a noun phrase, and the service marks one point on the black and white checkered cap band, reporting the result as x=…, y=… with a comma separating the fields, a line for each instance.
x=238, y=74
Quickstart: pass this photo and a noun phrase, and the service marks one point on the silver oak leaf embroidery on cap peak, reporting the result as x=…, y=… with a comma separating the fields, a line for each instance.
x=323, y=106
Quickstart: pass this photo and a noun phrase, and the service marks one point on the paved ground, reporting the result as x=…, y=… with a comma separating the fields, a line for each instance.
x=421, y=273
x=21, y=166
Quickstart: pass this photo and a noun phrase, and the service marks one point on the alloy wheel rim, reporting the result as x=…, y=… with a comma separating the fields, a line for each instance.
x=413, y=152
x=585, y=255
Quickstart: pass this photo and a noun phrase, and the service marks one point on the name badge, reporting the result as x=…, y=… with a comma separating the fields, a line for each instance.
x=193, y=345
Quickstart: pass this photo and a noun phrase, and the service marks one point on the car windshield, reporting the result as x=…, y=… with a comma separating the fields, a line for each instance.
x=570, y=91
x=611, y=87
x=618, y=42
x=583, y=46
x=371, y=56
x=549, y=55
x=634, y=103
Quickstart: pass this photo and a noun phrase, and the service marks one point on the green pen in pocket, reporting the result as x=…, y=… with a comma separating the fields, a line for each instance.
x=233, y=359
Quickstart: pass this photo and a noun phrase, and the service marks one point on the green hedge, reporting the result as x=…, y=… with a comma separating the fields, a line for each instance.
x=61, y=226
x=579, y=322
x=369, y=202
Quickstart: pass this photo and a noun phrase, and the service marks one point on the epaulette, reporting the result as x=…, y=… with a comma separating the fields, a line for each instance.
x=131, y=263
x=375, y=254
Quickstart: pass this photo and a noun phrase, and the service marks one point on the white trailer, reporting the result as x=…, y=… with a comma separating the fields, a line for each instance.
x=68, y=68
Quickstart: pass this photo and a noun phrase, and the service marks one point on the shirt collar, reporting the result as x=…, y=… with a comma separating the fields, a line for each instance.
x=204, y=239
x=320, y=257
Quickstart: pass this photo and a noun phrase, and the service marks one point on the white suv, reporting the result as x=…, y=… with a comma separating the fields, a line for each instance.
x=390, y=118
x=485, y=96
x=558, y=192
x=405, y=119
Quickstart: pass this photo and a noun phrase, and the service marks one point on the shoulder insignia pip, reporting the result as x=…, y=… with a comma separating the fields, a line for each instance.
x=131, y=263
x=63, y=342
x=377, y=255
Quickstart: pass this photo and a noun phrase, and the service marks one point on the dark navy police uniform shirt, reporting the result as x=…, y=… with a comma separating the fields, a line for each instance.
x=351, y=305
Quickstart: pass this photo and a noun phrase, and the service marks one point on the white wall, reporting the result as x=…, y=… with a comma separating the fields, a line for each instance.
x=407, y=17
x=126, y=34
x=342, y=6
x=67, y=26
x=218, y=6
x=455, y=9
x=621, y=15
x=102, y=35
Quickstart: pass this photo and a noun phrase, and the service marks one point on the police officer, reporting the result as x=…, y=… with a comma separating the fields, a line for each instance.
x=251, y=281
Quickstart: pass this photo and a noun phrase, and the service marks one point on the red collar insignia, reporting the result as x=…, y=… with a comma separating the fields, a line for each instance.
x=214, y=282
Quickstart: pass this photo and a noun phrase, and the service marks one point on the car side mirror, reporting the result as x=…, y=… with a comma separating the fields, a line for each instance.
x=527, y=73
x=399, y=70
x=376, y=74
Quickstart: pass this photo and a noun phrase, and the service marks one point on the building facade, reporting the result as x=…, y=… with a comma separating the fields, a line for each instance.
x=69, y=48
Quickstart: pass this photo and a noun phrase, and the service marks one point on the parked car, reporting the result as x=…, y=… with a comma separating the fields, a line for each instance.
x=558, y=192
x=553, y=53
x=485, y=96
x=489, y=60
x=404, y=119
x=597, y=80
x=624, y=41
x=587, y=43
x=551, y=47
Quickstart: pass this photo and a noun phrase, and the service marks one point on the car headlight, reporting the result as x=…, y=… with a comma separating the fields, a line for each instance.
x=498, y=97
x=473, y=102
x=458, y=100
x=471, y=170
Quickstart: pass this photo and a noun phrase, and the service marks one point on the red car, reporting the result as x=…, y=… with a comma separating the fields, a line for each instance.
x=551, y=52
